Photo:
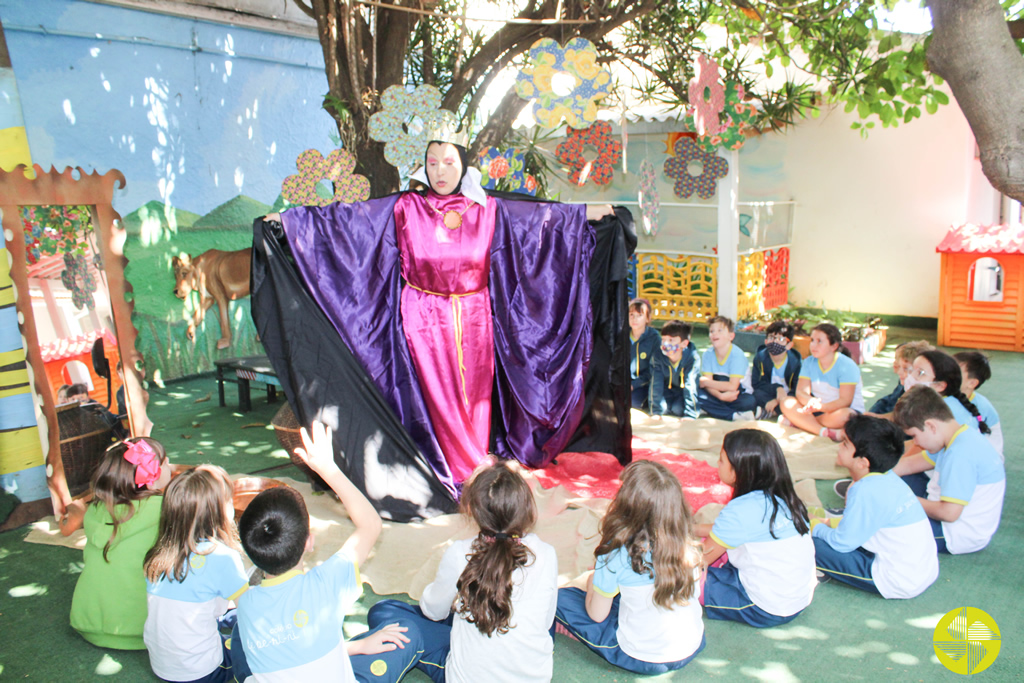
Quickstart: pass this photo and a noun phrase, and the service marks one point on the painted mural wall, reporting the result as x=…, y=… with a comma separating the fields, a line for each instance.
x=205, y=121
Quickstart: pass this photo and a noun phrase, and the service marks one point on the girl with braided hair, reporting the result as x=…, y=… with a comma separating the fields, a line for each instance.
x=941, y=372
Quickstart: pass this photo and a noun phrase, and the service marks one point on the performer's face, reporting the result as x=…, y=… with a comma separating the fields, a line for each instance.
x=444, y=167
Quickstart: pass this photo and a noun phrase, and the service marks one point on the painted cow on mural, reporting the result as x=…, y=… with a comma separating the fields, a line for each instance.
x=219, y=277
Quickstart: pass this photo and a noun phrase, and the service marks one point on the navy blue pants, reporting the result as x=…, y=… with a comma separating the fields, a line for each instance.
x=436, y=635
x=722, y=410
x=853, y=568
x=918, y=483
x=640, y=395
x=600, y=636
x=726, y=599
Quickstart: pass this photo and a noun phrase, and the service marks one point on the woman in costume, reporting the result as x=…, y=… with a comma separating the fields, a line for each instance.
x=495, y=296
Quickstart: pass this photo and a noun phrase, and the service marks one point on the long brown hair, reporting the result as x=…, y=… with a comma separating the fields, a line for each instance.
x=500, y=502
x=113, y=483
x=196, y=508
x=650, y=515
x=760, y=465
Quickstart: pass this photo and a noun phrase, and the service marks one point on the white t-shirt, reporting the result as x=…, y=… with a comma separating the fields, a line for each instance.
x=776, y=572
x=647, y=631
x=181, y=625
x=884, y=516
x=522, y=654
x=969, y=472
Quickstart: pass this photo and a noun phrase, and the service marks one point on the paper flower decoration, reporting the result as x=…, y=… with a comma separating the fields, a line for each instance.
x=714, y=167
x=737, y=118
x=300, y=189
x=650, y=202
x=609, y=153
x=549, y=64
x=707, y=97
x=505, y=171
x=77, y=278
x=408, y=121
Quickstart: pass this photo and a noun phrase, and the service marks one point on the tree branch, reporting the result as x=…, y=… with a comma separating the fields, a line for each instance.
x=1016, y=28
x=306, y=9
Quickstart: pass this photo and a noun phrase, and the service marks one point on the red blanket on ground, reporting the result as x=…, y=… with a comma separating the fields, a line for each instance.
x=596, y=475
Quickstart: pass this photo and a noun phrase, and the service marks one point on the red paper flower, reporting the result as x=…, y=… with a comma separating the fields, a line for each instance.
x=498, y=168
x=602, y=168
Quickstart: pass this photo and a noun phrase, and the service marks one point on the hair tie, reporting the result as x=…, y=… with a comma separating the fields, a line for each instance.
x=981, y=419
x=499, y=536
x=146, y=461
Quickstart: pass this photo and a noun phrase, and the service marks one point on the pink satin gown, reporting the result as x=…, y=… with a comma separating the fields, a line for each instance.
x=446, y=316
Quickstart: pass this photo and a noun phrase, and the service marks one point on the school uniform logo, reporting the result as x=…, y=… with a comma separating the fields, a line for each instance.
x=966, y=640
x=300, y=618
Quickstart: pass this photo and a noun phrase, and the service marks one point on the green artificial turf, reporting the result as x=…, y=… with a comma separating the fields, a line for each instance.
x=844, y=635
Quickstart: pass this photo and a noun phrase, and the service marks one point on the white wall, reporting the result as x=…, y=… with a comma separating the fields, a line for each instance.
x=871, y=210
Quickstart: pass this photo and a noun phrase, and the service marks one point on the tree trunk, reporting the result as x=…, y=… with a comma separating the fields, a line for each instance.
x=972, y=49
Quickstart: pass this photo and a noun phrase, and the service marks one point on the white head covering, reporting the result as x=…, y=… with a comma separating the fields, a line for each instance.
x=471, y=188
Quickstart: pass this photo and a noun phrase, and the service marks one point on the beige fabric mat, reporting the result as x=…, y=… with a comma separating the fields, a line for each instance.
x=406, y=557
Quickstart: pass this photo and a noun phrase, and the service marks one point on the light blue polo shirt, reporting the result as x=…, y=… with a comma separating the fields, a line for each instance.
x=825, y=382
x=291, y=625
x=734, y=365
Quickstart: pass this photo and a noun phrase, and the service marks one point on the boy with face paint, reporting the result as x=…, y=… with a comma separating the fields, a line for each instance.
x=775, y=370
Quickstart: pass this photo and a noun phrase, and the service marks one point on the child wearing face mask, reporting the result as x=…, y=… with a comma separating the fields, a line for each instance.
x=775, y=370
x=675, y=373
x=645, y=347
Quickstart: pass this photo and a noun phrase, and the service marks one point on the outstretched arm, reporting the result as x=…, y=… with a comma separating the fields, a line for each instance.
x=318, y=453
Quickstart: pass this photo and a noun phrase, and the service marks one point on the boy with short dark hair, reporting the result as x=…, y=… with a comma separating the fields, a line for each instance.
x=883, y=543
x=290, y=625
x=975, y=371
x=722, y=369
x=965, y=500
x=645, y=348
x=675, y=372
x=775, y=369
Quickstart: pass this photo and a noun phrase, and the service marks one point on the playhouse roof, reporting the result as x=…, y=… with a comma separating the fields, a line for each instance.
x=983, y=239
x=74, y=346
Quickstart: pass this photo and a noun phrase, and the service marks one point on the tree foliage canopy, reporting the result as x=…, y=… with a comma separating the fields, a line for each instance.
x=792, y=57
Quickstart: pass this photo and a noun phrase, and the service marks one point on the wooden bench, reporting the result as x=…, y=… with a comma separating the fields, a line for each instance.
x=242, y=371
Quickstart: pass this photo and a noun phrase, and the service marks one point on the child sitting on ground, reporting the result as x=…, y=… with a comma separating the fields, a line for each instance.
x=488, y=614
x=722, y=369
x=192, y=573
x=675, y=372
x=965, y=500
x=901, y=364
x=645, y=347
x=975, y=371
x=829, y=390
x=290, y=625
x=775, y=369
x=768, y=577
x=883, y=543
x=641, y=610
x=109, y=604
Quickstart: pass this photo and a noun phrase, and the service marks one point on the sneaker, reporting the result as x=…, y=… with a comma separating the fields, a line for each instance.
x=822, y=576
x=832, y=513
x=564, y=631
x=833, y=434
x=760, y=413
x=745, y=416
x=841, y=487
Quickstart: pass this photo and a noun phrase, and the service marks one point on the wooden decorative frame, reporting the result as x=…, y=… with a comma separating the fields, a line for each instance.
x=72, y=187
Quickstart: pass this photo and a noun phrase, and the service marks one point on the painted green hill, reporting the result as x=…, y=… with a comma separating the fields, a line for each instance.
x=156, y=218
x=233, y=214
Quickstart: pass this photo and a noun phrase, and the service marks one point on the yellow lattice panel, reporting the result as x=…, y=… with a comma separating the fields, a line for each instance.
x=750, y=285
x=678, y=287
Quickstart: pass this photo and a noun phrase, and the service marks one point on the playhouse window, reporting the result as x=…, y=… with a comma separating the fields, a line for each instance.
x=985, y=280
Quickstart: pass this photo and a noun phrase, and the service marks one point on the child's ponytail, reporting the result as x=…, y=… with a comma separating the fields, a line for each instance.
x=500, y=502
x=123, y=476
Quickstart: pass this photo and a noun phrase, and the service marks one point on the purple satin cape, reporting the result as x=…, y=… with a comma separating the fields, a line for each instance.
x=540, y=299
